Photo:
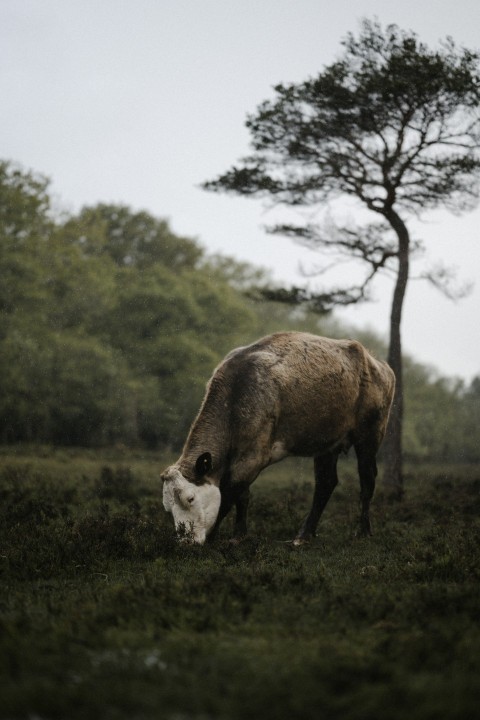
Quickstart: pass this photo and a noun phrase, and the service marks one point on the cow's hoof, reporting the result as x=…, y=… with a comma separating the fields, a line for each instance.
x=301, y=541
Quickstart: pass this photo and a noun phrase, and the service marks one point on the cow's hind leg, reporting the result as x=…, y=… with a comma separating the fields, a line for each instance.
x=367, y=470
x=326, y=479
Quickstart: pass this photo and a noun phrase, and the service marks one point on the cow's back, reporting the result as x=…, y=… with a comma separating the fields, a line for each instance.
x=310, y=389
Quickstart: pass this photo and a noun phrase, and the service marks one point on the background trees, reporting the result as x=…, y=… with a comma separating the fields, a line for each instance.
x=109, y=322
x=107, y=338
x=392, y=124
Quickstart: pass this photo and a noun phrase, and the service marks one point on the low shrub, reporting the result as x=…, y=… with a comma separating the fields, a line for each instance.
x=104, y=614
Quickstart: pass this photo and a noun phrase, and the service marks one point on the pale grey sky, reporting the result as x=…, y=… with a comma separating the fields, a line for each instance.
x=139, y=101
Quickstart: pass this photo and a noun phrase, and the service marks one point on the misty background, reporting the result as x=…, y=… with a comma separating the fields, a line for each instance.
x=139, y=103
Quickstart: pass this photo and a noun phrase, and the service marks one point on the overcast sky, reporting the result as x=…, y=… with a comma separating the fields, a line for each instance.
x=140, y=101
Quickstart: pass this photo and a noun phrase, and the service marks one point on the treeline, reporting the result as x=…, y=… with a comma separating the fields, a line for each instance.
x=110, y=325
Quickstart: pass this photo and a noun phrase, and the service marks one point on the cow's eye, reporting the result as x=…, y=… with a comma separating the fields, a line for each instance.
x=203, y=464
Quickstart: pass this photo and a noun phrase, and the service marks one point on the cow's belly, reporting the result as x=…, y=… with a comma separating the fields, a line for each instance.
x=316, y=439
x=309, y=447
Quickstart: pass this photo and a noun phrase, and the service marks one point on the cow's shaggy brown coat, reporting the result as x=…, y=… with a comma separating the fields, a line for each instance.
x=289, y=393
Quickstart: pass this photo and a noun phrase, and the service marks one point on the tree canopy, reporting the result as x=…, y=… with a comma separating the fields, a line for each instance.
x=109, y=323
x=392, y=124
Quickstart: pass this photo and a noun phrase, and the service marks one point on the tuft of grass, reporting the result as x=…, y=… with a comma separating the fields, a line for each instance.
x=104, y=614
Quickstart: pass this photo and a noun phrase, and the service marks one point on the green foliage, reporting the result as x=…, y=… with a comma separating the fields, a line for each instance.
x=61, y=388
x=391, y=122
x=441, y=417
x=24, y=226
x=103, y=614
x=110, y=324
x=130, y=238
x=109, y=329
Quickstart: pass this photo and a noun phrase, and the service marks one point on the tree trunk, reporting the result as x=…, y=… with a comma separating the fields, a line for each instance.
x=392, y=448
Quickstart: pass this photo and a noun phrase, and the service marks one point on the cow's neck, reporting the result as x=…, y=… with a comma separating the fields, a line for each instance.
x=209, y=433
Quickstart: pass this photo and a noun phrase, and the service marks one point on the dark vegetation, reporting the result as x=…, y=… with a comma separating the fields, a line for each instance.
x=104, y=615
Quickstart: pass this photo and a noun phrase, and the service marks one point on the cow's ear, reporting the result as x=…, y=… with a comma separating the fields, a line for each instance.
x=203, y=464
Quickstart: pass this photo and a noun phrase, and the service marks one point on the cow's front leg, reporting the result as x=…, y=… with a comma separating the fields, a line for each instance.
x=241, y=507
x=237, y=494
x=226, y=504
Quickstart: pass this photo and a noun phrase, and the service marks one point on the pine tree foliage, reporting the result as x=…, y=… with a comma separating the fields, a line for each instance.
x=393, y=125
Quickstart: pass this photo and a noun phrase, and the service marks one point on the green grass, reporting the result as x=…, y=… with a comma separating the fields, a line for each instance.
x=103, y=615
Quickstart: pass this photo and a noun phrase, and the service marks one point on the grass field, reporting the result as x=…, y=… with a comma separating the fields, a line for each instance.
x=103, y=615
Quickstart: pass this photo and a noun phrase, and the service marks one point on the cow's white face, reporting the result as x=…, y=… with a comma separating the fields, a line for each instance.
x=194, y=507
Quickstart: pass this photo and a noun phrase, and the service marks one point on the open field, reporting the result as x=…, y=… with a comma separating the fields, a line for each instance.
x=103, y=615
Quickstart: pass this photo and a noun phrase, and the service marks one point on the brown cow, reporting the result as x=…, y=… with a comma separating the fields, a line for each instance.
x=290, y=393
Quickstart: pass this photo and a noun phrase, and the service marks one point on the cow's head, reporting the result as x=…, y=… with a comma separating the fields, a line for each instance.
x=194, y=506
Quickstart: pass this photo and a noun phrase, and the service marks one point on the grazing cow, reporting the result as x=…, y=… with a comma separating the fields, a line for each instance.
x=290, y=393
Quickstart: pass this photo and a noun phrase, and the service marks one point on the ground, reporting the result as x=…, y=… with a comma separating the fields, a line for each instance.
x=103, y=614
